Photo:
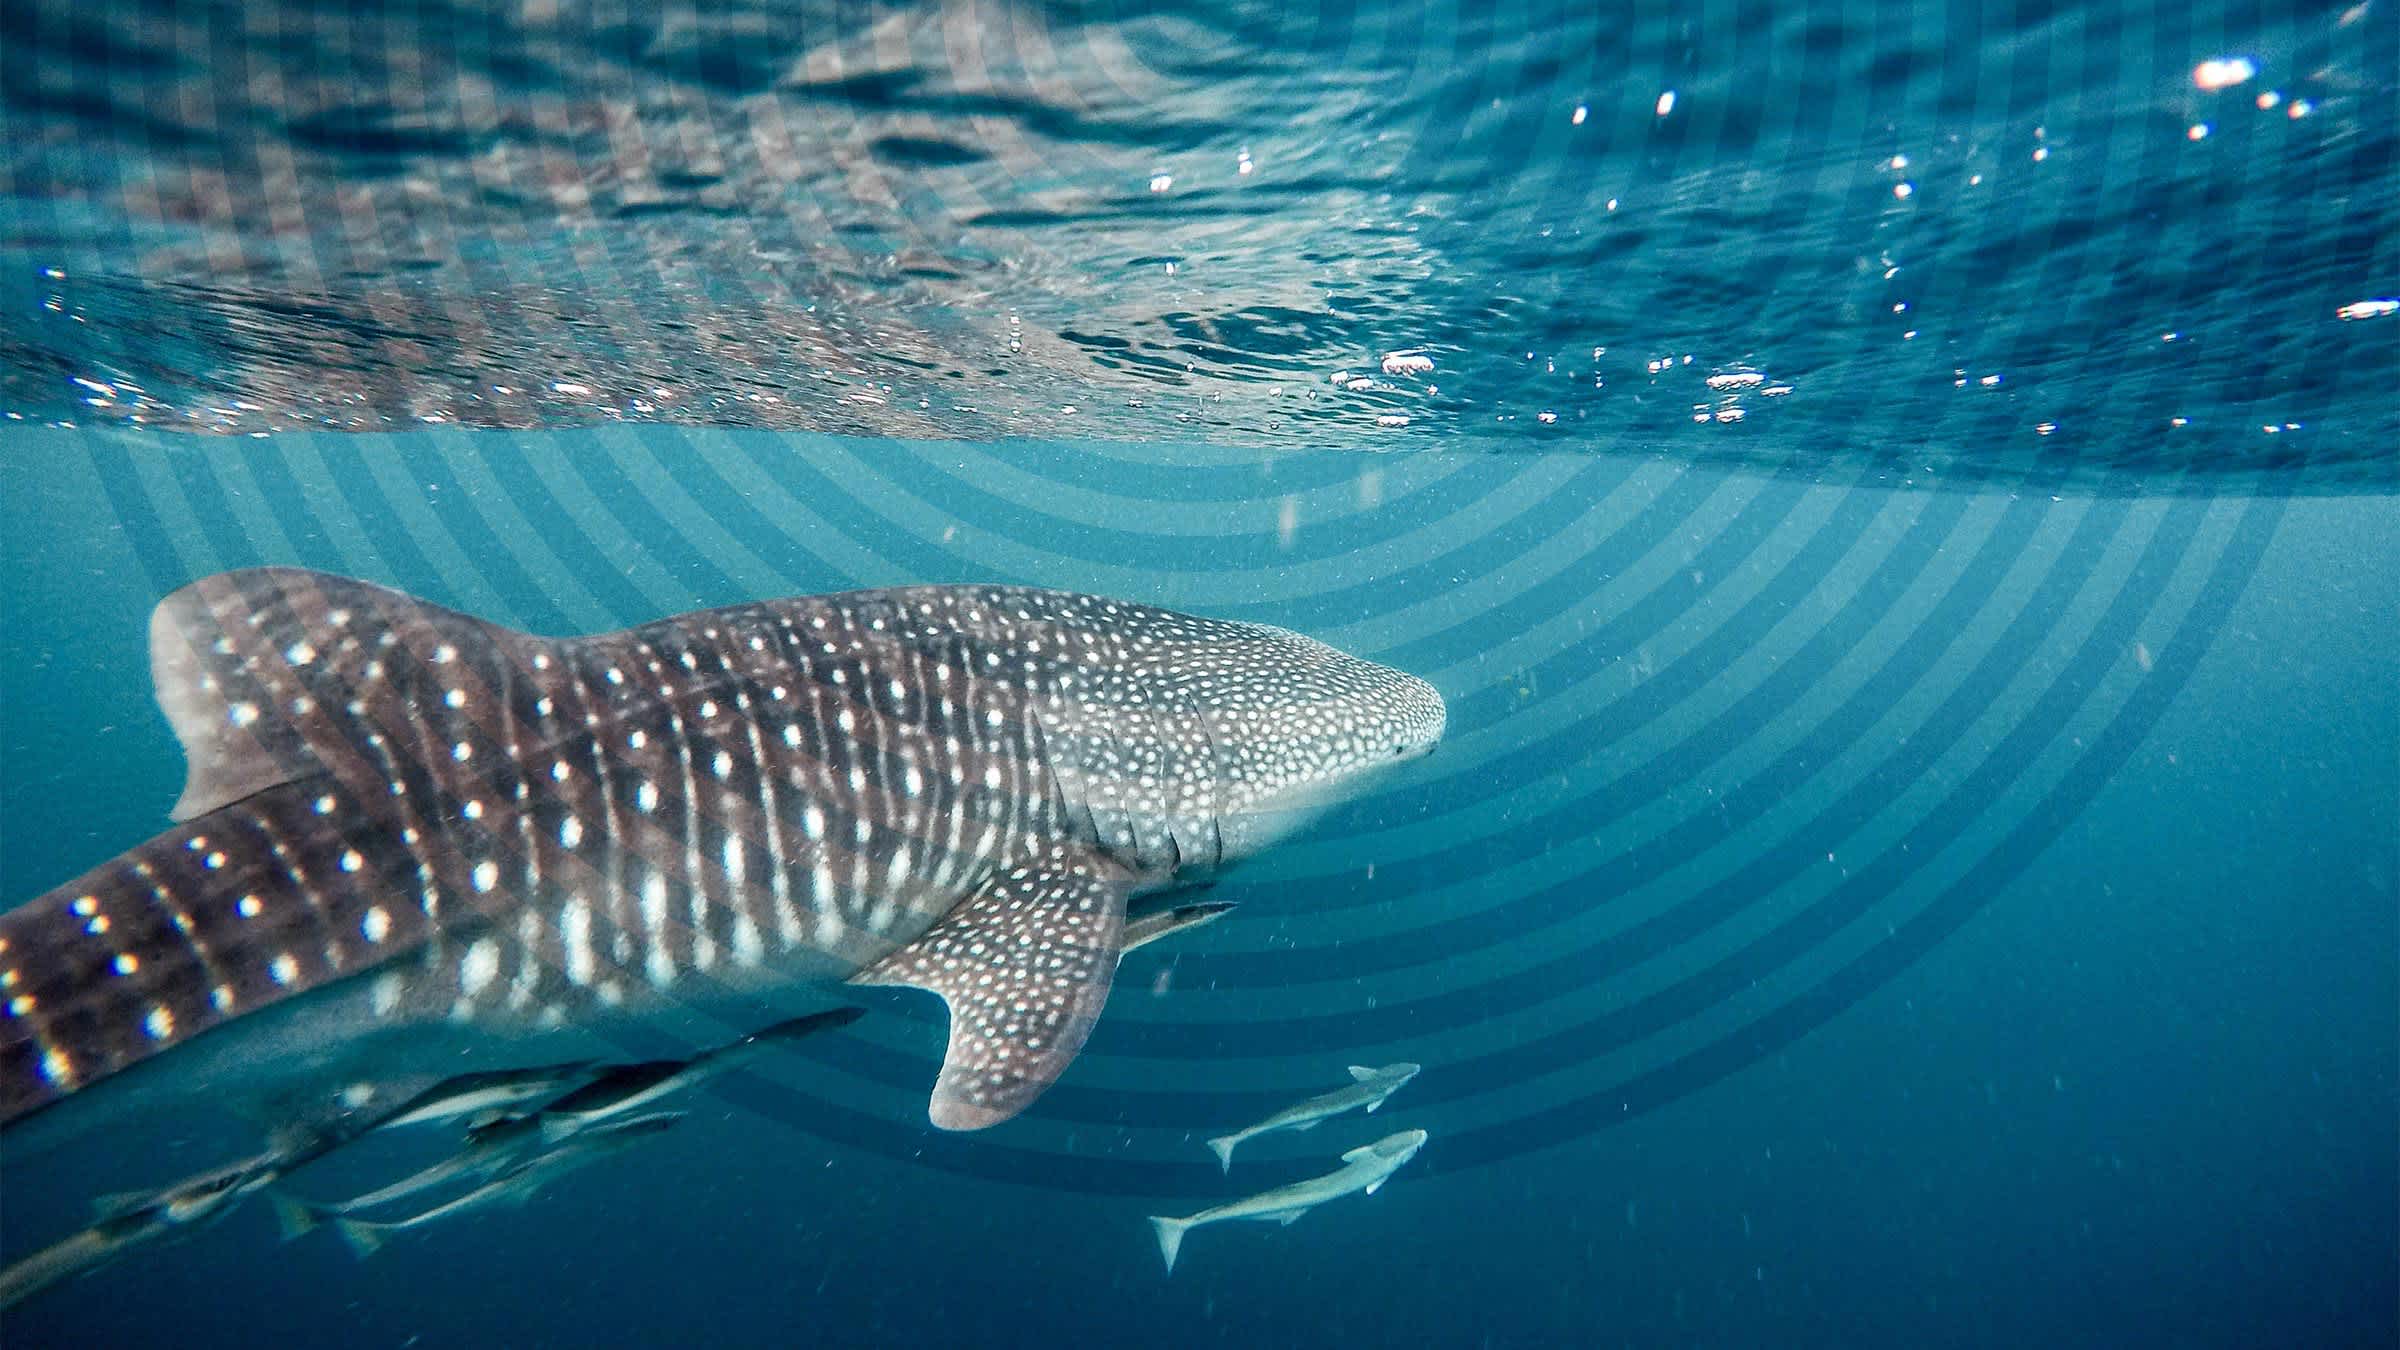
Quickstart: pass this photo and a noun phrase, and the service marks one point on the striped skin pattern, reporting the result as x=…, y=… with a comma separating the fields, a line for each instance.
x=950, y=787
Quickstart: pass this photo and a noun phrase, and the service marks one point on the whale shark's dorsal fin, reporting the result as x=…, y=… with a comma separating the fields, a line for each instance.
x=1025, y=964
x=251, y=668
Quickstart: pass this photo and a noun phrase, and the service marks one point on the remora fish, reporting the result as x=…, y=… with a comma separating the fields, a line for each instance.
x=80, y=1253
x=492, y=1093
x=505, y=1140
x=495, y=1148
x=410, y=838
x=519, y=1183
x=128, y=1221
x=631, y=1087
x=1368, y=1088
x=1364, y=1169
x=1149, y=928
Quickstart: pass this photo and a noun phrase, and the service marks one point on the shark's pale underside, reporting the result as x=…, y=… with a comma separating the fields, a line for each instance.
x=405, y=831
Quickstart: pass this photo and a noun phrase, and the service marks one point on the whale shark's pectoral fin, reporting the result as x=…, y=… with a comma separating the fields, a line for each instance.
x=1024, y=964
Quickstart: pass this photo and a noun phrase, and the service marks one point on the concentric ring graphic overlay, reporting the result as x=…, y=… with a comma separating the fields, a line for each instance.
x=1809, y=446
x=1727, y=751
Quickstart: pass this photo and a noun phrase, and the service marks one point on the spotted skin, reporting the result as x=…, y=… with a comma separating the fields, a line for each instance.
x=1025, y=965
x=481, y=828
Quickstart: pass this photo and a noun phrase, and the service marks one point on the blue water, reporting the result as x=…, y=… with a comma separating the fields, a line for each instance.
x=1916, y=857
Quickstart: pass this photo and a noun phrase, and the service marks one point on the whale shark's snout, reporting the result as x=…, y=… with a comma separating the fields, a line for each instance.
x=1339, y=721
x=1185, y=743
x=1418, y=718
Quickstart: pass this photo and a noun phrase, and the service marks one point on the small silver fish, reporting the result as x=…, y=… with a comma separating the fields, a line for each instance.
x=1363, y=1170
x=505, y=1139
x=493, y=1148
x=129, y=1220
x=519, y=1183
x=494, y=1092
x=1145, y=929
x=631, y=1087
x=1368, y=1088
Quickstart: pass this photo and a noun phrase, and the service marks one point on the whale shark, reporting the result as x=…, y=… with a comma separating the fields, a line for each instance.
x=412, y=843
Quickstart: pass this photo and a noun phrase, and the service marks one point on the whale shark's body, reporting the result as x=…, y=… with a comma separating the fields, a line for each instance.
x=411, y=842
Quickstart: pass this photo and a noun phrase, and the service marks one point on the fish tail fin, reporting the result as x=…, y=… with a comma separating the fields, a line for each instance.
x=295, y=1216
x=365, y=1238
x=1222, y=1146
x=1170, y=1237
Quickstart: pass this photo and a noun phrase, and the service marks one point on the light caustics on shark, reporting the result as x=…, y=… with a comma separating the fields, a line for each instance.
x=406, y=831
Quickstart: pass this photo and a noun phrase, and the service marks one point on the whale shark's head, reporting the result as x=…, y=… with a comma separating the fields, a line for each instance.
x=1186, y=742
x=1305, y=728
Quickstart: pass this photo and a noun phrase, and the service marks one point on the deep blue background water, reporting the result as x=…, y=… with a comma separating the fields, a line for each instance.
x=1904, y=526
